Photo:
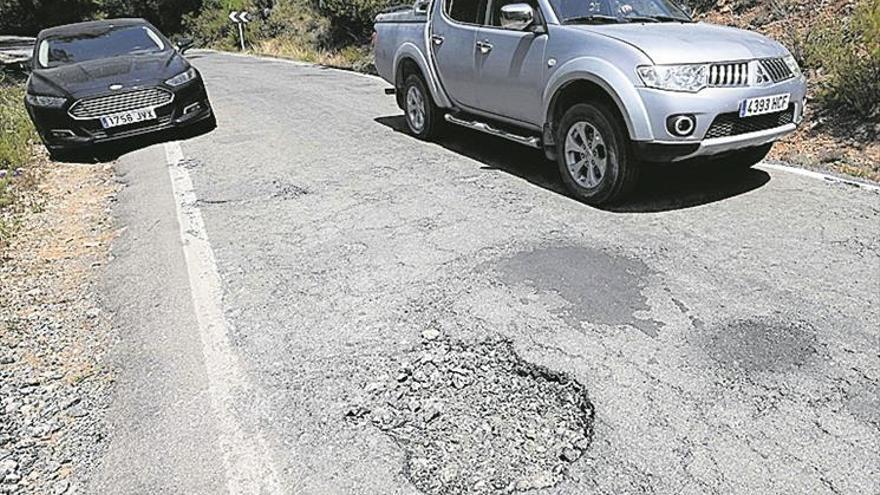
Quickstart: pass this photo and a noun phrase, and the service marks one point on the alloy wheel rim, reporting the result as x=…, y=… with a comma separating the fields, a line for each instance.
x=415, y=108
x=586, y=155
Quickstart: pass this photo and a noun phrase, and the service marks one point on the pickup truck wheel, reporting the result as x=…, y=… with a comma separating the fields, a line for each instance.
x=422, y=115
x=594, y=156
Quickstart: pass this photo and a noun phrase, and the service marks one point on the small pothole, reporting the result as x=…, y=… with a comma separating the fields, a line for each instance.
x=476, y=418
x=761, y=344
x=190, y=163
x=286, y=190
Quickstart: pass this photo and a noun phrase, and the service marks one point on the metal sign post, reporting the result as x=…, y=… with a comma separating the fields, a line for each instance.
x=240, y=18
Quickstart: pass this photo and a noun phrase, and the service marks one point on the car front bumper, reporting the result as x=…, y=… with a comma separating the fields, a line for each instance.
x=718, y=128
x=60, y=131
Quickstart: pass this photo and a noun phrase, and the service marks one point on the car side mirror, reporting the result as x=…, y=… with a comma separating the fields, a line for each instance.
x=421, y=6
x=517, y=16
x=184, y=44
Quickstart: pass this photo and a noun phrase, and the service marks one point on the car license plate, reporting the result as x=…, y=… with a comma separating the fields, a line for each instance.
x=764, y=105
x=127, y=118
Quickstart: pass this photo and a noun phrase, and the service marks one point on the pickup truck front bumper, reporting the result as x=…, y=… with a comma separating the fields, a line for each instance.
x=718, y=127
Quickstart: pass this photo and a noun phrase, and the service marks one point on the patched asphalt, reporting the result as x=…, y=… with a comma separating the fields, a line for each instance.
x=724, y=331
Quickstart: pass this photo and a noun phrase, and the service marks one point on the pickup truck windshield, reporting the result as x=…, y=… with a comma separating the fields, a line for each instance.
x=127, y=40
x=618, y=11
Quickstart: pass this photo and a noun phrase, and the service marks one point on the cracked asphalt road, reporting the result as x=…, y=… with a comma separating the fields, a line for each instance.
x=725, y=330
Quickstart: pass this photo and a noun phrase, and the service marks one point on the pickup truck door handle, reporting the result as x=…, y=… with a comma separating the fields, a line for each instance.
x=437, y=39
x=484, y=46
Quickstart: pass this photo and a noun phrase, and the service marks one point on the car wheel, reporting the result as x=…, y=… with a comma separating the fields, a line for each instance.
x=594, y=156
x=422, y=116
x=65, y=155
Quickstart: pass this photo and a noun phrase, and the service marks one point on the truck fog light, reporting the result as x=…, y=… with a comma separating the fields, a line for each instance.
x=681, y=125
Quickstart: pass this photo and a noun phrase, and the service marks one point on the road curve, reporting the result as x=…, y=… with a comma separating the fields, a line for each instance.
x=726, y=330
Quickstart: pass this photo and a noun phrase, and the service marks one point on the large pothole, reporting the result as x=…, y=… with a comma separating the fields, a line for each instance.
x=476, y=418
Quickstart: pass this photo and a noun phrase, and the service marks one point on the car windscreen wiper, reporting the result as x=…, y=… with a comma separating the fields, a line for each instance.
x=669, y=18
x=641, y=18
x=593, y=19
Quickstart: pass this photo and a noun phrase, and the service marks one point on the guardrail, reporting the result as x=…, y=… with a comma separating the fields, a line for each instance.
x=16, y=50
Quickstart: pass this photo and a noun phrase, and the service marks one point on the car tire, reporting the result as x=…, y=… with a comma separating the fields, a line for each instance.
x=65, y=155
x=421, y=114
x=594, y=154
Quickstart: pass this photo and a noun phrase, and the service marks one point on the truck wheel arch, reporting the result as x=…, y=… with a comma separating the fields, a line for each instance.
x=408, y=60
x=593, y=79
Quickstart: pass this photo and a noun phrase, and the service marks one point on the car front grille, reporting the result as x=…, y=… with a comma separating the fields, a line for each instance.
x=729, y=75
x=730, y=124
x=133, y=100
x=777, y=69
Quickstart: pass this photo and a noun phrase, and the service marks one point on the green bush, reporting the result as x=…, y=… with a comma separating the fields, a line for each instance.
x=844, y=56
x=16, y=132
x=17, y=137
x=352, y=20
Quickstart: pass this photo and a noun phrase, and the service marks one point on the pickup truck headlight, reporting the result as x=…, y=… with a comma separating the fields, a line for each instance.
x=688, y=78
x=45, y=101
x=793, y=65
x=182, y=78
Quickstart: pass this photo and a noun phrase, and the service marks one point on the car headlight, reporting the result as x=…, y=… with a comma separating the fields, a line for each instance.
x=45, y=101
x=689, y=78
x=793, y=65
x=182, y=78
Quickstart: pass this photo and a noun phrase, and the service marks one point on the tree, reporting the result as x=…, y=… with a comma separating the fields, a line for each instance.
x=27, y=17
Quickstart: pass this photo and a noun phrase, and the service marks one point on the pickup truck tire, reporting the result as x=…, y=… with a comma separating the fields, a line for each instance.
x=594, y=154
x=422, y=115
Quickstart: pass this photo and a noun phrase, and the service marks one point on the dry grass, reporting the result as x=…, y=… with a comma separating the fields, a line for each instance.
x=358, y=58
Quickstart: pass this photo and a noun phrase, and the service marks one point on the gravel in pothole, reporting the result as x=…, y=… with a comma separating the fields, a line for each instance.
x=476, y=418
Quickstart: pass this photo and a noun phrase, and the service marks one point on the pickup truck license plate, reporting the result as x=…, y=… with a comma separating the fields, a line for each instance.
x=129, y=117
x=764, y=105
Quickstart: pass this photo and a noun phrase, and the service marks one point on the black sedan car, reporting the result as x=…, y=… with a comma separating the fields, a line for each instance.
x=101, y=81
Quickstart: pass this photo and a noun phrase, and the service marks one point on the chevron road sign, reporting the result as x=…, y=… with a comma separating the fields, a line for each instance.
x=240, y=19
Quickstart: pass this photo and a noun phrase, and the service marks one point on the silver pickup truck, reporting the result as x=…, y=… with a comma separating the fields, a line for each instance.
x=604, y=87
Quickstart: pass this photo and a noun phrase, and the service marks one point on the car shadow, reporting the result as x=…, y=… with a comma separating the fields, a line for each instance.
x=661, y=188
x=108, y=152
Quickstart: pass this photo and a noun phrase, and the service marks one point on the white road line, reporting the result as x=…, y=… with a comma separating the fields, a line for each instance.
x=249, y=468
x=297, y=63
x=820, y=176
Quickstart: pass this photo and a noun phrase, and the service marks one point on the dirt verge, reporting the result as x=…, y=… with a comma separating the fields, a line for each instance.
x=53, y=385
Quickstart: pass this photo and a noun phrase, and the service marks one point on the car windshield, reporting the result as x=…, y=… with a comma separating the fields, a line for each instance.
x=112, y=42
x=618, y=11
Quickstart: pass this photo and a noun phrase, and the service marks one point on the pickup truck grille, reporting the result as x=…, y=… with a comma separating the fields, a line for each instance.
x=777, y=69
x=729, y=75
x=133, y=100
x=730, y=124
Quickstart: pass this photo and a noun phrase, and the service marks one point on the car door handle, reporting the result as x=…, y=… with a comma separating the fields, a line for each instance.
x=437, y=39
x=484, y=46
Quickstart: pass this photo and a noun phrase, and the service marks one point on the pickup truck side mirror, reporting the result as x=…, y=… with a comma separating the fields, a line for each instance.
x=517, y=16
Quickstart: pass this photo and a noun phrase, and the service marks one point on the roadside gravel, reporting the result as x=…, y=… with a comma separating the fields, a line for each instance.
x=53, y=335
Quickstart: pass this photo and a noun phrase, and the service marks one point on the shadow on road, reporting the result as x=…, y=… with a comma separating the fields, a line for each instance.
x=108, y=152
x=662, y=187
